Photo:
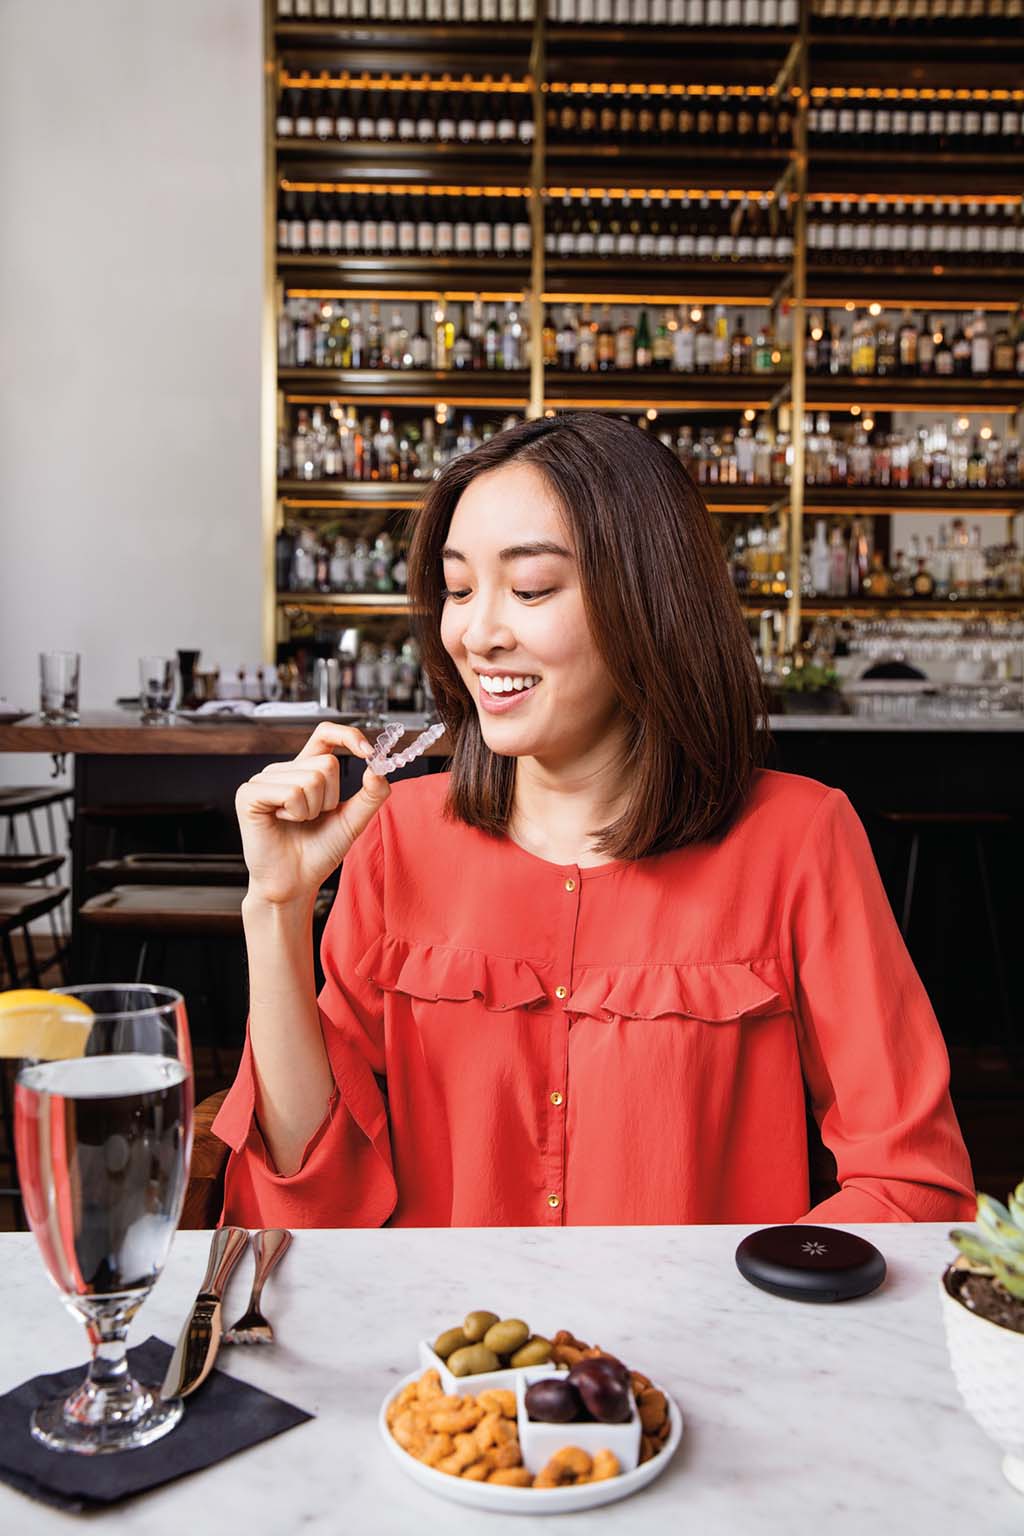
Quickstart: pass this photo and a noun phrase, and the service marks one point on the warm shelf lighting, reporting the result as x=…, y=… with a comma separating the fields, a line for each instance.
x=985, y=433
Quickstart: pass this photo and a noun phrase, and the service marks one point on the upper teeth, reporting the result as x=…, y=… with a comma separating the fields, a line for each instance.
x=507, y=684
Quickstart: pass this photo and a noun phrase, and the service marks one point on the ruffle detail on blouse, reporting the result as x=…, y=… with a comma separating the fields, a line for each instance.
x=716, y=993
x=436, y=971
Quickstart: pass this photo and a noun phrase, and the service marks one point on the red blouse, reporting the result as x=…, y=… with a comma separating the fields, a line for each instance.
x=516, y=1042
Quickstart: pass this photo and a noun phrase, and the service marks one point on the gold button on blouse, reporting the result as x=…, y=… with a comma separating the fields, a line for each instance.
x=556, y=1098
x=554, y=1202
x=561, y=991
x=570, y=885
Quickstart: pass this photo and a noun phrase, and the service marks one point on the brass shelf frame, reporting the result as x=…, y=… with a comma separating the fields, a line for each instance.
x=785, y=61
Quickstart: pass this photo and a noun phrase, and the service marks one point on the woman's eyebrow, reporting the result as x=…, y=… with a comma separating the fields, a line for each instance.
x=514, y=552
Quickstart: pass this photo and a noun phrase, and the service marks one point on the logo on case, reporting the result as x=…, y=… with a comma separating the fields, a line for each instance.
x=815, y=1248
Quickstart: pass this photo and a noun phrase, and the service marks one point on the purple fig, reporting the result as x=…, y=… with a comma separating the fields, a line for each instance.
x=552, y=1401
x=603, y=1388
x=594, y=1365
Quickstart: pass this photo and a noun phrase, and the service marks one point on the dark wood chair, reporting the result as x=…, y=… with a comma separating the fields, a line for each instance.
x=204, y=1198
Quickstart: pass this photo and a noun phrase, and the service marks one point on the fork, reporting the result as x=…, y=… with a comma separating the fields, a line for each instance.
x=252, y=1327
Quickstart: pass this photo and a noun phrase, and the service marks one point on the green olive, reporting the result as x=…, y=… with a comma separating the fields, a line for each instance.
x=473, y=1360
x=452, y=1338
x=477, y=1324
x=535, y=1351
x=506, y=1337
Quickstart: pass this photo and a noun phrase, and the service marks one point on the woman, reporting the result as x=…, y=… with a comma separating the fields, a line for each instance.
x=605, y=970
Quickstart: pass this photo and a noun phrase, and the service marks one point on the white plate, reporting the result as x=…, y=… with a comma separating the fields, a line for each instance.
x=531, y=1501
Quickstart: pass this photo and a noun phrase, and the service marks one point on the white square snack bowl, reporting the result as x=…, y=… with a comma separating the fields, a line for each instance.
x=461, y=1385
x=538, y=1442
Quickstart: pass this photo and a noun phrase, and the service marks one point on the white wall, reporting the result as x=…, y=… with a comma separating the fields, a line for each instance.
x=131, y=272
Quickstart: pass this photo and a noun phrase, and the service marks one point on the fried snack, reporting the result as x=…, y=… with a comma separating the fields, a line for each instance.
x=571, y=1464
x=471, y=1437
x=606, y=1464
x=498, y=1400
x=511, y=1477
x=652, y=1406
x=428, y=1388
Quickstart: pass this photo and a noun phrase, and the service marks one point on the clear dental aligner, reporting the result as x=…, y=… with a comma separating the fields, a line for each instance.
x=382, y=764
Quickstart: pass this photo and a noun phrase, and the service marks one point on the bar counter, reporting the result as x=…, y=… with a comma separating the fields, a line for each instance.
x=121, y=733
x=842, y=1417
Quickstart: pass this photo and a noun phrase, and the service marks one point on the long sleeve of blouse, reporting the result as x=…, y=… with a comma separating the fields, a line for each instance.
x=518, y=1042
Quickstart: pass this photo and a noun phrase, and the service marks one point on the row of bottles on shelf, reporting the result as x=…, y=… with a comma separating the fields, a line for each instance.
x=464, y=12
x=958, y=122
x=371, y=676
x=666, y=228
x=914, y=232
x=426, y=223
x=334, y=443
x=325, y=443
x=386, y=113
x=649, y=116
x=964, y=18
x=849, y=232
x=842, y=562
x=467, y=337
x=322, y=560
x=933, y=457
x=738, y=14
x=877, y=344
x=328, y=334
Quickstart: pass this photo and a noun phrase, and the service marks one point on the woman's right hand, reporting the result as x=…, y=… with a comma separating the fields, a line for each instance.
x=295, y=829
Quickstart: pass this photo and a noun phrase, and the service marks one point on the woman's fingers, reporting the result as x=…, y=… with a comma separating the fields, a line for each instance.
x=329, y=735
x=294, y=793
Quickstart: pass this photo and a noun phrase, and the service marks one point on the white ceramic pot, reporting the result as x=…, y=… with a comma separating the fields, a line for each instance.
x=988, y=1363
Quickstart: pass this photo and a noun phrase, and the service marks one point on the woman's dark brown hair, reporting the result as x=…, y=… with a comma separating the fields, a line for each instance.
x=663, y=615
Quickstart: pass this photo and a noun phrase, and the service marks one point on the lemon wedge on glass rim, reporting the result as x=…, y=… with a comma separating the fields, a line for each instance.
x=46, y=1026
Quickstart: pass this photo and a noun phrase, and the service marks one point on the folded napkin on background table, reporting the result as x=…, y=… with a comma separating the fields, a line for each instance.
x=222, y=1417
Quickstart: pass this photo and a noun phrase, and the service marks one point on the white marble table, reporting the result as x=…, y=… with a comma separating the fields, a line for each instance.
x=843, y=1418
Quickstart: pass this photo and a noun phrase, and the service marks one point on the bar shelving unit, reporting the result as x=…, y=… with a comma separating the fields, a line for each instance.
x=547, y=58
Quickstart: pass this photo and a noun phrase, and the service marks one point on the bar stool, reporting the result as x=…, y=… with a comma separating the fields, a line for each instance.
x=21, y=868
x=172, y=869
x=18, y=806
x=137, y=828
x=922, y=823
x=154, y=916
x=19, y=906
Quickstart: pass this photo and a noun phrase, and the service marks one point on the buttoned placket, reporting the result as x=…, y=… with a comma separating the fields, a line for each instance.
x=564, y=927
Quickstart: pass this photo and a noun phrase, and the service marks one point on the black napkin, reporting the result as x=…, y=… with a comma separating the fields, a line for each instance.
x=223, y=1416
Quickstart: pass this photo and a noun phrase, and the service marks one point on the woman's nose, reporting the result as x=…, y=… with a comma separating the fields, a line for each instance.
x=485, y=629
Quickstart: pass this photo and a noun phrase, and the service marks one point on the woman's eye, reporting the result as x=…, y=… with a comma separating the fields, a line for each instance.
x=533, y=594
x=446, y=593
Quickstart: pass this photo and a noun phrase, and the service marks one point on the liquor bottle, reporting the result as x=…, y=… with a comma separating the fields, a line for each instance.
x=644, y=352
x=704, y=347
x=626, y=350
x=961, y=348
x=605, y=342
x=661, y=346
x=586, y=358
x=683, y=346
x=926, y=348
x=567, y=340
x=981, y=345
x=720, y=349
x=907, y=343
x=740, y=348
x=820, y=561
x=943, y=363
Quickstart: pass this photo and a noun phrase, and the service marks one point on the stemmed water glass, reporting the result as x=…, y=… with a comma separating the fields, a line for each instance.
x=103, y=1143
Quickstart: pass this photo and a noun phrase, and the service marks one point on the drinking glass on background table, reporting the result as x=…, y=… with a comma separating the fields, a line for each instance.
x=58, y=686
x=157, y=680
x=103, y=1143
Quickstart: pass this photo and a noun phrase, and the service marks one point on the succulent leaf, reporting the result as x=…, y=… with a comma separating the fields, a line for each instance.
x=997, y=1223
x=1017, y=1205
x=1012, y=1279
x=972, y=1246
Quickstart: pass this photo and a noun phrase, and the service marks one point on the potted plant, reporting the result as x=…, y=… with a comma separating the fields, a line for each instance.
x=809, y=687
x=983, y=1308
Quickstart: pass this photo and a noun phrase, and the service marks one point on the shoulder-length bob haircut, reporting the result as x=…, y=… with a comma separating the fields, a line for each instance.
x=663, y=615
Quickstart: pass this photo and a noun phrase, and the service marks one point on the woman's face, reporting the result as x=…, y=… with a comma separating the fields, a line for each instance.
x=513, y=613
